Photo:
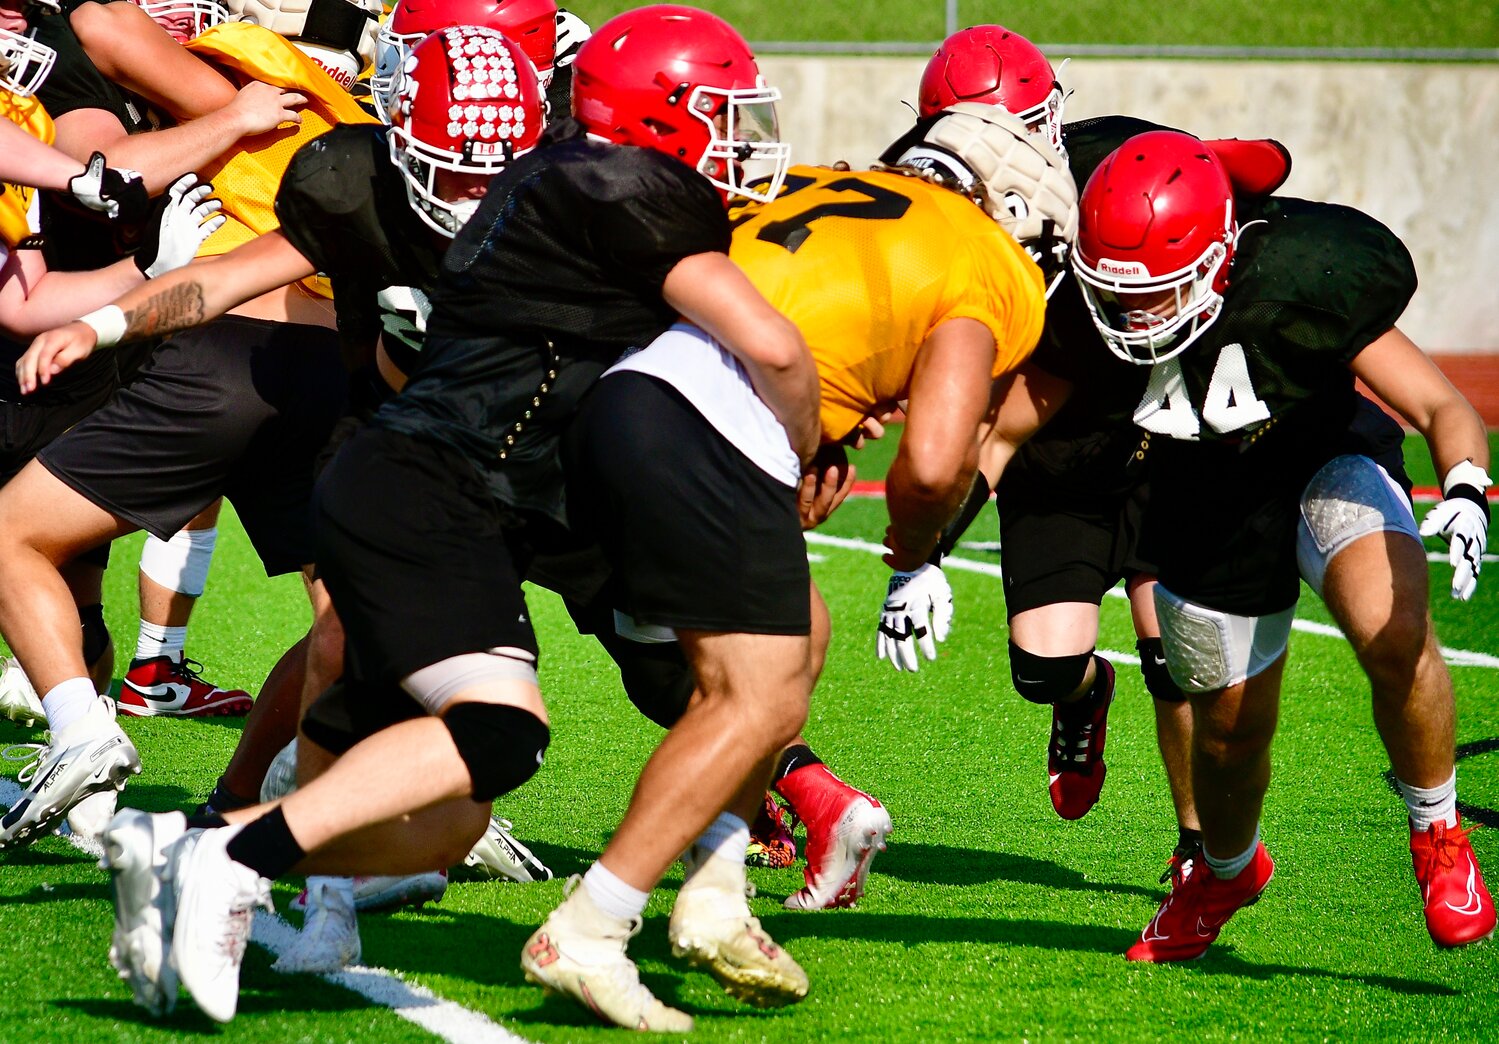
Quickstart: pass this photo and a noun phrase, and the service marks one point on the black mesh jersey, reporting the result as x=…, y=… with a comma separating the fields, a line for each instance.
x=558, y=272
x=343, y=204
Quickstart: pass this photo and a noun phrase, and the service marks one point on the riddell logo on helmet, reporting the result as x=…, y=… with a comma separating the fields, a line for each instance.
x=342, y=77
x=1122, y=268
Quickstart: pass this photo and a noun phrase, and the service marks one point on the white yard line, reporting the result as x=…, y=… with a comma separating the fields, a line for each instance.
x=1456, y=657
x=417, y=1004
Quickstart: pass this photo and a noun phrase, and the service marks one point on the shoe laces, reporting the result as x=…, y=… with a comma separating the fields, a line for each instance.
x=1071, y=736
x=1441, y=851
x=190, y=669
x=1184, y=860
x=241, y=917
x=32, y=753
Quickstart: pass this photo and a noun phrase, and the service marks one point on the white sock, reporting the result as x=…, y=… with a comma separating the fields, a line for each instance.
x=726, y=837
x=613, y=896
x=1232, y=867
x=343, y=885
x=1430, y=805
x=181, y=563
x=69, y=701
x=160, y=640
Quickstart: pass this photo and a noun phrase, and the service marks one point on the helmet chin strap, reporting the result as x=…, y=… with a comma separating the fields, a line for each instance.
x=463, y=209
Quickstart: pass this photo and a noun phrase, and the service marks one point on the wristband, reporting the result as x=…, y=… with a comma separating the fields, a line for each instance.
x=108, y=324
x=1466, y=473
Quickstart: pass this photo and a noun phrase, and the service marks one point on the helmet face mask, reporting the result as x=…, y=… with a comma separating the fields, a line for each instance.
x=1157, y=239
x=24, y=63
x=745, y=155
x=185, y=19
x=466, y=102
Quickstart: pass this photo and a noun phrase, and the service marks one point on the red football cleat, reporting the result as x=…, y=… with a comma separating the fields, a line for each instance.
x=771, y=844
x=1075, y=760
x=1459, y=909
x=845, y=829
x=1190, y=918
x=161, y=686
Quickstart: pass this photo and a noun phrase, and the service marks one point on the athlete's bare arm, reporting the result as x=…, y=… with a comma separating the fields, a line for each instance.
x=129, y=48
x=1405, y=377
x=1024, y=400
x=33, y=299
x=187, y=297
x=711, y=291
x=26, y=161
x=933, y=468
x=165, y=155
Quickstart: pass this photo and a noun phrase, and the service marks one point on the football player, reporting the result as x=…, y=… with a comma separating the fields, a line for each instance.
x=1072, y=497
x=263, y=411
x=161, y=82
x=440, y=653
x=905, y=291
x=1240, y=339
x=418, y=182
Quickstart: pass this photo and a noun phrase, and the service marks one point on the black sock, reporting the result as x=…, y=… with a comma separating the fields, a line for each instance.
x=1187, y=839
x=267, y=846
x=206, y=820
x=792, y=758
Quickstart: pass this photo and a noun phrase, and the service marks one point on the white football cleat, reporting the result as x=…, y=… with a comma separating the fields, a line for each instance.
x=140, y=948
x=89, y=817
x=18, y=699
x=329, y=939
x=386, y=892
x=88, y=756
x=580, y=953
x=499, y=854
x=711, y=925
x=215, y=900
x=281, y=777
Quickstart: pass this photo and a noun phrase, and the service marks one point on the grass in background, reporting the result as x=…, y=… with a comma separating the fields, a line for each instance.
x=1243, y=23
x=988, y=918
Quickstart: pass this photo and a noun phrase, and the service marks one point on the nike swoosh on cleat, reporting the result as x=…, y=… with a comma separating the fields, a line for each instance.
x=1054, y=777
x=169, y=695
x=1474, y=905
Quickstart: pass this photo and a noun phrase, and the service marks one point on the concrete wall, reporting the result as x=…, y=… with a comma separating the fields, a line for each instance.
x=1416, y=146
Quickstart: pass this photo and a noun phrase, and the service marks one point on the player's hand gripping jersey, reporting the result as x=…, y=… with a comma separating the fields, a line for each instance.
x=246, y=178
x=867, y=264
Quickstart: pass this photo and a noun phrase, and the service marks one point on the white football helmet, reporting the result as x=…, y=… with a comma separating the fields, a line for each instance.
x=1021, y=181
x=24, y=63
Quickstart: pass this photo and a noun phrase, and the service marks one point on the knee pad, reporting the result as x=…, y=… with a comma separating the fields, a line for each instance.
x=502, y=746
x=1046, y=679
x=1158, y=681
x=95, y=634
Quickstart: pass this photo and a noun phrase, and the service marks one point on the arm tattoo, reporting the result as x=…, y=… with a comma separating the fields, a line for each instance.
x=171, y=310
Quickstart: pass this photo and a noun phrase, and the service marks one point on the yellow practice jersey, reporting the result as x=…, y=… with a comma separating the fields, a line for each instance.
x=248, y=176
x=868, y=263
x=18, y=202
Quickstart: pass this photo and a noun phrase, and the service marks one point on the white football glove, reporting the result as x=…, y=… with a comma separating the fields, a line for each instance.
x=917, y=615
x=1462, y=520
x=188, y=217
x=572, y=31
x=115, y=192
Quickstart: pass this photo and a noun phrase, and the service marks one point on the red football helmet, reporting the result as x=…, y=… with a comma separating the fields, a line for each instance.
x=466, y=101
x=990, y=64
x=530, y=23
x=1154, y=244
x=683, y=82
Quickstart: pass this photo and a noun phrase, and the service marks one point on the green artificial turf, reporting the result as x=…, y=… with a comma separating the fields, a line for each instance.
x=988, y=918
